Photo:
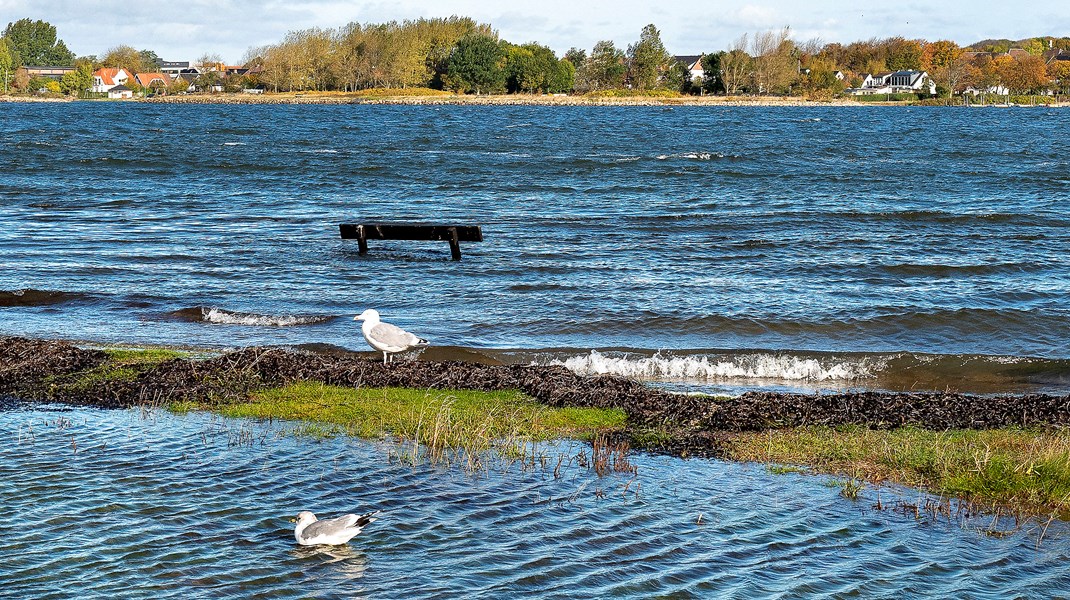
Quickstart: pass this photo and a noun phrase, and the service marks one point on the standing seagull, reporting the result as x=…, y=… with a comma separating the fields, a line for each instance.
x=386, y=338
x=309, y=531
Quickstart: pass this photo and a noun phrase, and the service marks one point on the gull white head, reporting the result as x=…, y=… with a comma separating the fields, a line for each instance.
x=371, y=315
x=304, y=518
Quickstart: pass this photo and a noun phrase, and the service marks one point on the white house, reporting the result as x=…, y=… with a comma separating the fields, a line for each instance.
x=107, y=78
x=899, y=82
x=121, y=91
x=694, y=67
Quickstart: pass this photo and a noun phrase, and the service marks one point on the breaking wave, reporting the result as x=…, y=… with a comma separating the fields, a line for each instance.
x=723, y=367
x=219, y=316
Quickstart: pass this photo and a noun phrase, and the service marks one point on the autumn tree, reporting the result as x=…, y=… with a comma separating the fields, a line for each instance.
x=773, y=63
x=1059, y=73
x=647, y=59
x=947, y=64
x=1022, y=75
x=736, y=66
x=903, y=54
x=126, y=57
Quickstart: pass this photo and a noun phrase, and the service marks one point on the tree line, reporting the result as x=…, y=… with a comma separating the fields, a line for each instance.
x=462, y=55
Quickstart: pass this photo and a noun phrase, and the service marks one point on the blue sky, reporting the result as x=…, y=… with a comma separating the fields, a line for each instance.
x=188, y=29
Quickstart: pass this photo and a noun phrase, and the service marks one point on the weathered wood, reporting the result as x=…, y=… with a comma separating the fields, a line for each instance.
x=432, y=232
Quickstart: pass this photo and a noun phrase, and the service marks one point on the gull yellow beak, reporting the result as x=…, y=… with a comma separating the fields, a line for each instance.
x=293, y=520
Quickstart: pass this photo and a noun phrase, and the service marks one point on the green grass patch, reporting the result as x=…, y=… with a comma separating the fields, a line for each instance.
x=437, y=419
x=1009, y=467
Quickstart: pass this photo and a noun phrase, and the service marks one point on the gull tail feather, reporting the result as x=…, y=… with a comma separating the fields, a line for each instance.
x=365, y=519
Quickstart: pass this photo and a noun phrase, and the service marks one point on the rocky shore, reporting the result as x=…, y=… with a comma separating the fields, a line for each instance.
x=53, y=371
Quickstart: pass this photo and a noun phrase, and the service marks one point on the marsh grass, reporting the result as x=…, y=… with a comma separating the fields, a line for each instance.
x=434, y=425
x=122, y=366
x=1007, y=467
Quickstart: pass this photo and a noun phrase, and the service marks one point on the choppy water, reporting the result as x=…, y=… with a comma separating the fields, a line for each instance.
x=806, y=247
x=123, y=503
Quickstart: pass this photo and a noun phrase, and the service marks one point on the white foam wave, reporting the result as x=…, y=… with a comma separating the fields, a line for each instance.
x=226, y=317
x=722, y=367
x=692, y=156
x=233, y=143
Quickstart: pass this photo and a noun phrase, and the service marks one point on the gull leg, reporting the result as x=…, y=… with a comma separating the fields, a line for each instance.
x=384, y=357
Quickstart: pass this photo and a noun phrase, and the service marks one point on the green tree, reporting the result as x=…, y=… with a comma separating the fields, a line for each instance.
x=531, y=68
x=35, y=44
x=150, y=61
x=79, y=80
x=576, y=56
x=712, y=82
x=648, y=59
x=564, y=77
x=605, y=67
x=476, y=65
x=7, y=65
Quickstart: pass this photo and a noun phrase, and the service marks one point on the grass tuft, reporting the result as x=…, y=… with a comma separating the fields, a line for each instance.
x=1007, y=467
x=436, y=422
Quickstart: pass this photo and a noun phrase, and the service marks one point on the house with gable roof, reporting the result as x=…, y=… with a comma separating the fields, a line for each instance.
x=106, y=78
x=898, y=82
x=693, y=64
x=153, y=80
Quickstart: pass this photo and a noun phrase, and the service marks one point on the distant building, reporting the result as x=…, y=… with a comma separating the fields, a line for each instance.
x=109, y=77
x=693, y=65
x=173, y=68
x=898, y=82
x=56, y=73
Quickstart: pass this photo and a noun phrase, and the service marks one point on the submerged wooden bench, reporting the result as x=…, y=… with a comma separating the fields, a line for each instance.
x=454, y=234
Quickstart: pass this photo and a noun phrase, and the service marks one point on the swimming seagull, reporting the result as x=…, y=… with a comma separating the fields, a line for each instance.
x=386, y=338
x=310, y=532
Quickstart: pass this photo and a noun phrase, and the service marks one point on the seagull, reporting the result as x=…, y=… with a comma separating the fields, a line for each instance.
x=385, y=337
x=310, y=532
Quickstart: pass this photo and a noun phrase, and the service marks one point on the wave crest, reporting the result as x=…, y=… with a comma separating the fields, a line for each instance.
x=219, y=316
x=723, y=367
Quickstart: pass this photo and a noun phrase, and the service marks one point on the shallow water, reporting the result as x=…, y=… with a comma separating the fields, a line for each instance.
x=151, y=505
x=834, y=246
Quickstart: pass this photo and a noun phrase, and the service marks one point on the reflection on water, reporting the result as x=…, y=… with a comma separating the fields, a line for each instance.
x=99, y=503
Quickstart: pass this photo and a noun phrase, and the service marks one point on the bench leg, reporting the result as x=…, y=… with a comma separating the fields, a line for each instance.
x=455, y=244
x=362, y=241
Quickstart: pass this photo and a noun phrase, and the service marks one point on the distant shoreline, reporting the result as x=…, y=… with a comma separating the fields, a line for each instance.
x=446, y=99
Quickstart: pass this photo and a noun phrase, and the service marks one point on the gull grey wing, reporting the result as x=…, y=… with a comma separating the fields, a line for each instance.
x=394, y=336
x=328, y=526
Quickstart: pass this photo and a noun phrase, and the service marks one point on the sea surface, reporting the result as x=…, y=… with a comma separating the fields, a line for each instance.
x=705, y=248
x=144, y=504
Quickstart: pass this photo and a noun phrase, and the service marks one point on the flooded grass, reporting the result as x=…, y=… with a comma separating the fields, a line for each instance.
x=1021, y=468
x=436, y=422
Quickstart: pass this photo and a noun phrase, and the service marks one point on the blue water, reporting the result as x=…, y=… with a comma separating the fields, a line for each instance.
x=731, y=246
x=134, y=504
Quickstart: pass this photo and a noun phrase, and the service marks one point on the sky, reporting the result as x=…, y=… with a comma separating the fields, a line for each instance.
x=189, y=29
